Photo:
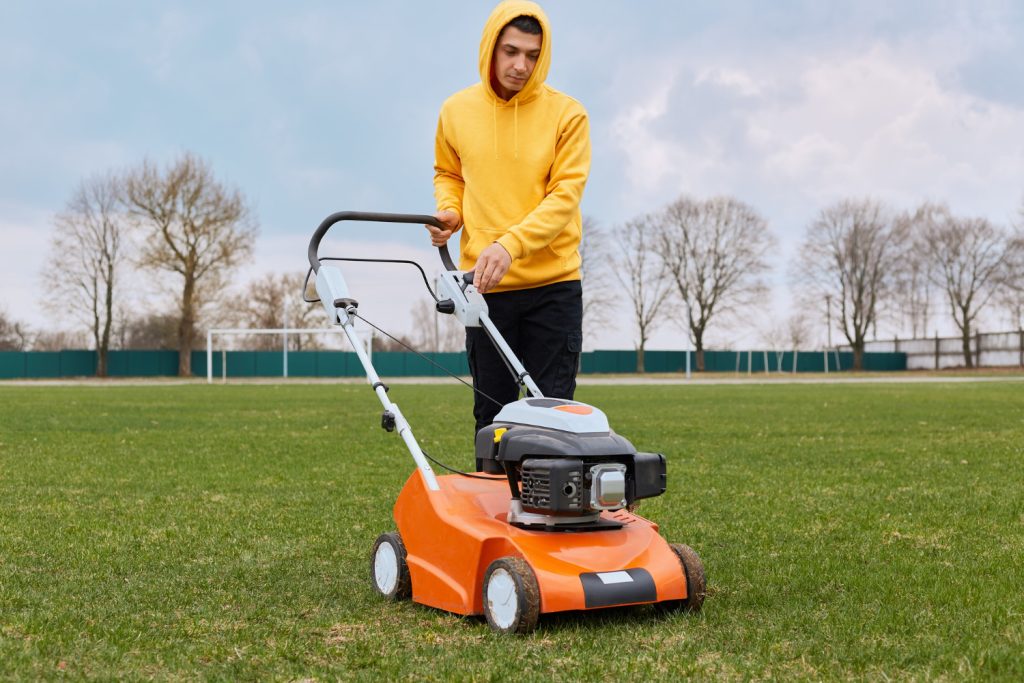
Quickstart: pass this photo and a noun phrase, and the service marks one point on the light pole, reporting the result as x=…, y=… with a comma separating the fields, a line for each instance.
x=828, y=318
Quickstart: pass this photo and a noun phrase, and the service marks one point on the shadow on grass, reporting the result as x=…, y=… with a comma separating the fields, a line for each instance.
x=630, y=615
x=552, y=623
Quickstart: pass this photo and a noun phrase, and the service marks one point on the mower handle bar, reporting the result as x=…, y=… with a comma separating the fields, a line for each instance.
x=372, y=217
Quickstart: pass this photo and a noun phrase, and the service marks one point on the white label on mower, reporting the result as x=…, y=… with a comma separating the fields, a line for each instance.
x=608, y=578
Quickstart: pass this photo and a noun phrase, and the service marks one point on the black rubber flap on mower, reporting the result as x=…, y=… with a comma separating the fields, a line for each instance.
x=607, y=589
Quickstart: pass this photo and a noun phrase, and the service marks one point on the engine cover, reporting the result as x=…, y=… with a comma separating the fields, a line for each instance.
x=554, y=413
x=563, y=461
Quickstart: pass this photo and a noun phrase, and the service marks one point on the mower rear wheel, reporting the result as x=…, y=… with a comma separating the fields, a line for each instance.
x=696, y=582
x=388, y=570
x=511, y=596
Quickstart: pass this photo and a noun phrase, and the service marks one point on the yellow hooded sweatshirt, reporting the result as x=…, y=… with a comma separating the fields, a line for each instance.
x=515, y=170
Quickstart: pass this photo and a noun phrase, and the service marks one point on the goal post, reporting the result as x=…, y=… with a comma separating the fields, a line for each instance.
x=282, y=332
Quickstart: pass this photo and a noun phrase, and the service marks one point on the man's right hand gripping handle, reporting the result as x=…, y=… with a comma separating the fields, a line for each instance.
x=451, y=221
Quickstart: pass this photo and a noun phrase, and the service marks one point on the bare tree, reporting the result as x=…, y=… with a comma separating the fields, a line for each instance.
x=789, y=334
x=88, y=245
x=433, y=331
x=971, y=259
x=595, y=269
x=196, y=228
x=715, y=252
x=849, y=254
x=912, y=285
x=639, y=273
x=262, y=304
x=59, y=340
x=798, y=329
x=1011, y=300
x=14, y=334
x=381, y=343
x=150, y=331
x=1011, y=294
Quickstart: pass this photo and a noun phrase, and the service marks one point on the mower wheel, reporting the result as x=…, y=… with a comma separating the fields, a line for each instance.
x=696, y=583
x=511, y=596
x=388, y=570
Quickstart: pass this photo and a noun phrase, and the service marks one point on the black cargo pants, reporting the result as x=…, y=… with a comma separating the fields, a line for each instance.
x=544, y=328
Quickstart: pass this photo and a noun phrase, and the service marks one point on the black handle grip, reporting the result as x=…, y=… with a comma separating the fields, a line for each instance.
x=370, y=217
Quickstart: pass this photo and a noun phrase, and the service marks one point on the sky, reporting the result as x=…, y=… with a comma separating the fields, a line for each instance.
x=314, y=107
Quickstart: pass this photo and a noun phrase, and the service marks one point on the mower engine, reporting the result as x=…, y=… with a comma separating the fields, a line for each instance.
x=565, y=465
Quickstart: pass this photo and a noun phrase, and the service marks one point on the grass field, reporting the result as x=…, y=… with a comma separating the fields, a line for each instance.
x=221, y=532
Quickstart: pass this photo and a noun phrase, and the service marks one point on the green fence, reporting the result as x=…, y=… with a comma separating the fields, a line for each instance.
x=56, y=364
x=326, y=364
x=47, y=364
x=806, y=361
x=611, y=362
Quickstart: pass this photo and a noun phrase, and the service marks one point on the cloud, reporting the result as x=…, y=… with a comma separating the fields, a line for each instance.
x=739, y=81
x=790, y=133
x=309, y=109
x=174, y=42
x=791, y=130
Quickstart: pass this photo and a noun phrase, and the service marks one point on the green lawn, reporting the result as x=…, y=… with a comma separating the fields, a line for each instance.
x=221, y=532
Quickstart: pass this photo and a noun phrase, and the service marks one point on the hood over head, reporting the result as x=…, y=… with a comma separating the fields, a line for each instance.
x=505, y=12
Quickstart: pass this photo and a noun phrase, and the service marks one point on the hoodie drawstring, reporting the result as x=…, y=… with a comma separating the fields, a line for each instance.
x=515, y=126
x=515, y=138
x=494, y=112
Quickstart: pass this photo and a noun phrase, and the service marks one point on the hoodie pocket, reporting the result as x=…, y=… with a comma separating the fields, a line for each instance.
x=566, y=243
x=480, y=239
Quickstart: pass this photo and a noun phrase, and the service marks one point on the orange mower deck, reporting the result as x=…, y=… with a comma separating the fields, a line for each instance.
x=452, y=535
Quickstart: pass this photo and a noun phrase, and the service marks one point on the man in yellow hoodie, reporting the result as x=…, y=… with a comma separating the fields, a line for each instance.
x=512, y=156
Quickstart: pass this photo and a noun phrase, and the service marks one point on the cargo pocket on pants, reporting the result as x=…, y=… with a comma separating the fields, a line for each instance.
x=567, y=365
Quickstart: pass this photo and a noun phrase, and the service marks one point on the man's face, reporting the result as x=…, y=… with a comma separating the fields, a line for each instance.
x=515, y=57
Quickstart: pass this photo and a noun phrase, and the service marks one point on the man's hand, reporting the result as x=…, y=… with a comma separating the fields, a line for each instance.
x=451, y=221
x=491, y=266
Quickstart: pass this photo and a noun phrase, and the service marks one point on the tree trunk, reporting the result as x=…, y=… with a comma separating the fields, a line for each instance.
x=186, y=330
x=104, y=346
x=699, y=351
x=966, y=341
x=640, y=359
x=97, y=338
x=185, y=335
x=858, y=355
x=965, y=336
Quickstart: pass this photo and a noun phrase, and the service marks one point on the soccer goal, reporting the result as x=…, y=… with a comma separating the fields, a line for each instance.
x=366, y=337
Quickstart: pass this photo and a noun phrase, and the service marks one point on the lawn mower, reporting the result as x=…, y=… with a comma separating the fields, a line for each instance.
x=547, y=525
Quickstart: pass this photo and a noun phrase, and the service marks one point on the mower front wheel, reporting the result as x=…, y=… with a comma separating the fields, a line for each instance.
x=388, y=570
x=511, y=596
x=696, y=582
